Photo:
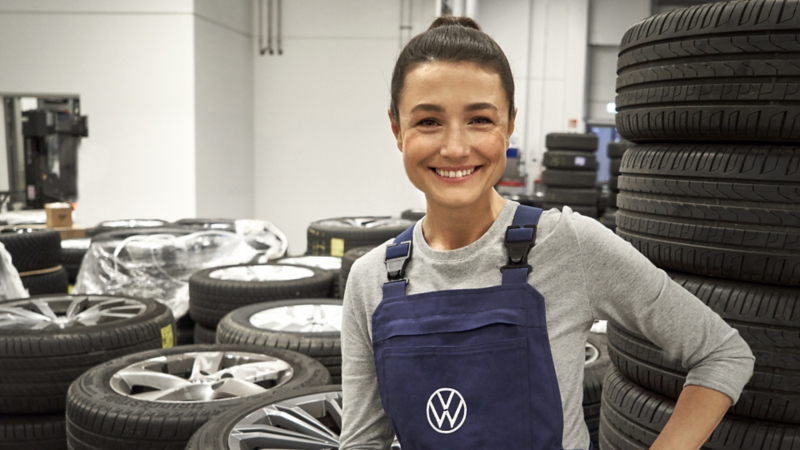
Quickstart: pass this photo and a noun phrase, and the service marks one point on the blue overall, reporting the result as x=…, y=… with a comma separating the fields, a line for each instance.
x=469, y=368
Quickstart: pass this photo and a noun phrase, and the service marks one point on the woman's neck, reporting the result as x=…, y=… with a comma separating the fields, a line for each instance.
x=448, y=228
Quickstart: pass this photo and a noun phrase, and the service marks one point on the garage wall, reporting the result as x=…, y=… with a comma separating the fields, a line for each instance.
x=132, y=64
x=223, y=85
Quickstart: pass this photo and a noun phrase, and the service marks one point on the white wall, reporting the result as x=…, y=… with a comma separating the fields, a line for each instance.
x=223, y=52
x=132, y=64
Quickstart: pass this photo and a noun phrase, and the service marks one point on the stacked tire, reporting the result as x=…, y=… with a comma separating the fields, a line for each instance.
x=46, y=342
x=711, y=193
x=330, y=264
x=334, y=237
x=571, y=172
x=215, y=292
x=615, y=151
x=36, y=254
x=72, y=253
x=348, y=260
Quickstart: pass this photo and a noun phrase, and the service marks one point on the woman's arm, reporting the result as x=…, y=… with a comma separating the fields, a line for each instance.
x=696, y=414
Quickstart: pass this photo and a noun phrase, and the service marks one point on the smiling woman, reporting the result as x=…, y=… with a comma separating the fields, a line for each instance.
x=447, y=340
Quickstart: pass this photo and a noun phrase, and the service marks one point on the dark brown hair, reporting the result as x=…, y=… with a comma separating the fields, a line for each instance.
x=452, y=39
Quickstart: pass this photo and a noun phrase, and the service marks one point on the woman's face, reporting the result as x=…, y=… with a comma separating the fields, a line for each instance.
x=453, y=131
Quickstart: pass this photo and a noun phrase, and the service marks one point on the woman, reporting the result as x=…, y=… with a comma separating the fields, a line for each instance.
x=468, y=330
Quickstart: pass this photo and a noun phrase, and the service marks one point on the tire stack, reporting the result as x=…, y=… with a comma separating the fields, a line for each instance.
x=330, y=264
x=711, y=193
x=215, y=292
x=72, y=254
x=348, y=260
x=571, y=172
x=46, y=342
x=615, y=151
x=334, y=237
x=36, y=254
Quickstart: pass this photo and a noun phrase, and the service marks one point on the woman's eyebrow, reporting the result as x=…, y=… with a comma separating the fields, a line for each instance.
x=427, y=107
x=479, y=106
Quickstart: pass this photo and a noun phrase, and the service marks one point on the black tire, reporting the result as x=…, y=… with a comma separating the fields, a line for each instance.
x=571, y=196
x=203, y=335
x=769, y=395
x=100, y=418
x=311, y=261
x=210, y=299
x=714, y=210
x=334, y=237
x=571, y=141
x=184, y=330
x=325, y=347
x=593, y=375
x=55, y=281
x=347, y=263
x=613, y=183
x=119, y=225
x=569, y=178
x=215, y=224
x=42, y=432
x=569, y=160
x=214, y=434
x=588, y=211
x=682, y=76
x=37, y=366
x=632, y=417
x=609, y=218
x=32, y=249
x=72, y=253
x=617, y=149
x=615, y=165
x=413, y=214
x=118, y=235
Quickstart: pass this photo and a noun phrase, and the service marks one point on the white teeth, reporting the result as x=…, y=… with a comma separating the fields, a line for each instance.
x=454, y=174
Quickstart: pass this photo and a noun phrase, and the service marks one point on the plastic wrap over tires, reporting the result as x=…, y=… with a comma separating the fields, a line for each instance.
x=10, y=283
x=158, y=266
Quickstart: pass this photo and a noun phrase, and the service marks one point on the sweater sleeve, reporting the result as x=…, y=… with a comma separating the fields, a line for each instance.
x=364, y=422
x=625, y=287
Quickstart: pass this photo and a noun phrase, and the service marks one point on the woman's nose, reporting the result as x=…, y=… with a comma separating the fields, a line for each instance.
x=455, y=143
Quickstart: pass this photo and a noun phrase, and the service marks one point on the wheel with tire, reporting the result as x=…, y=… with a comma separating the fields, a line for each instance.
x=309, y=418
x=569, y=178
x=331, y=264
x=571, y=196
x=594, y=371
x=617, y=149
x=209, y=224
x=347, y=263
x=184, y=330
x=125, y=233
x=118, y=225
x=632, y=417
x=203, y=335
x=714, y=210
x=217, y=291
x=334, y=237
x=39, y=432
x=46, y=342
x=681, y=76
x=48, y=281
x=312, y=327
x=569, y=160
x=571, y=141
x=609, y=218
x=166, y=395
x=72, y=253
x=32, y=249
x=615, y=165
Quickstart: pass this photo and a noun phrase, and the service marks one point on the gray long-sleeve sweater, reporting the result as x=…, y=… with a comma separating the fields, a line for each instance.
x=585, y=272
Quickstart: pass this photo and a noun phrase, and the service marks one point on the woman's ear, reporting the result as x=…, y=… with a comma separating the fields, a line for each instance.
x=512, y=123
x=396, y=131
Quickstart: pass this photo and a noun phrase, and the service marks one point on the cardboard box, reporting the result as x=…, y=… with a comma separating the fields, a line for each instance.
x=59, y=215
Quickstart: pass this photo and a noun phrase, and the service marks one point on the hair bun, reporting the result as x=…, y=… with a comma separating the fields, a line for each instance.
x=465, y=22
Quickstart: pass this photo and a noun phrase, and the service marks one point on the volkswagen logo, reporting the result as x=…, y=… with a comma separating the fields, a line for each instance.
x=447, y=410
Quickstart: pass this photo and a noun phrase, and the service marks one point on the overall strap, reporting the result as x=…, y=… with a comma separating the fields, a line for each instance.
x=397, y=256
x=520, y=239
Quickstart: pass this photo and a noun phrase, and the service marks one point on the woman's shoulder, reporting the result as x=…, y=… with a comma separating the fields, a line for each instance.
x=370, y=267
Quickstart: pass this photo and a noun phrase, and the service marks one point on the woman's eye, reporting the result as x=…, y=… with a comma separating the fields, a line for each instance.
x=482, y=120
x=427, y=123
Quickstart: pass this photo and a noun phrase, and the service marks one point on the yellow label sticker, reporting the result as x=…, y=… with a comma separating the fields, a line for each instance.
x=337, y=247
x=167, y=339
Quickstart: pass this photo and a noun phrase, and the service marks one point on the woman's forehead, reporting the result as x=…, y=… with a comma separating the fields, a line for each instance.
x=452, y=81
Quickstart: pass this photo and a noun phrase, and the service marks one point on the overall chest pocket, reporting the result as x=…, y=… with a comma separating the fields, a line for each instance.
x=449, y=383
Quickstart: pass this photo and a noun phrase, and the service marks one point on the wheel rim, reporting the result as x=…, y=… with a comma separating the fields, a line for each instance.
x=365, y=222
x=267, y=272
x=201, y=377
x=309, y=318
x=321, y=262
x=66, y=312
x=306, y=422
x=132, y=223
x=592, y=353
x=76, y=244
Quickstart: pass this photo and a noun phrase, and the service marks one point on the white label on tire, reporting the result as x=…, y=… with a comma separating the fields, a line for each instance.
x=580, y=161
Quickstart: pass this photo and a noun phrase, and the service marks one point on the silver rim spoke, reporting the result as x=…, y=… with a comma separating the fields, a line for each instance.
x=201, y=376
x=44, y=308
x=262, y=272
x=63, y=311
x=592, y=353
x=310, y=318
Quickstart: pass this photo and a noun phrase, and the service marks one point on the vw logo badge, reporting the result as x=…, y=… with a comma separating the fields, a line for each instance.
x=447, y=410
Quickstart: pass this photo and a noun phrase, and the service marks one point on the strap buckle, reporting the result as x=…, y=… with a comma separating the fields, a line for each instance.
x=397, y=257
x=519, y=244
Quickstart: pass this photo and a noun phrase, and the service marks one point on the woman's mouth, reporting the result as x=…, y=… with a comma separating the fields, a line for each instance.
x=456, y=174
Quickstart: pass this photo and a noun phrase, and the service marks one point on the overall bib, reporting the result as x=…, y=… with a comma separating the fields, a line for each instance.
x=469, y=368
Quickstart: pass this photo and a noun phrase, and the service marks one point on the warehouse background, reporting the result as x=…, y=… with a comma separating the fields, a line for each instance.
x=187, y=119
